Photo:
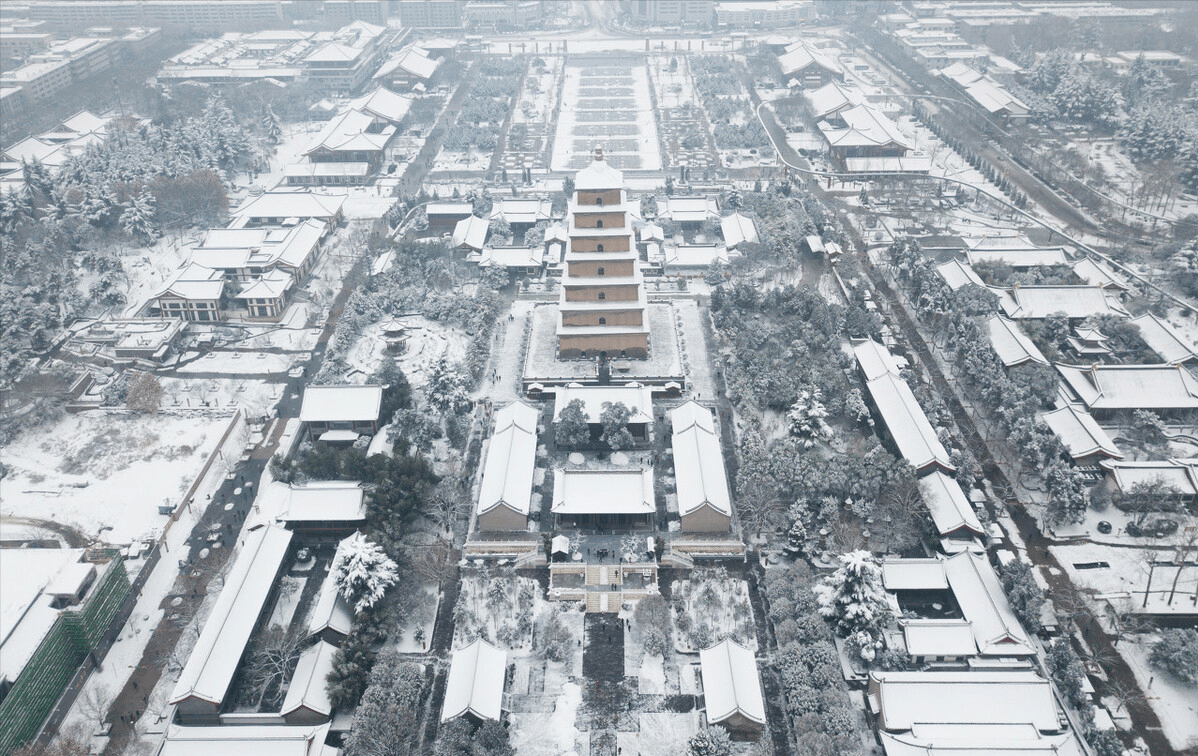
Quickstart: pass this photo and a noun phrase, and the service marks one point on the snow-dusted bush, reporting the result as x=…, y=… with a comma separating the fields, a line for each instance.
x=362, y=572
x=1177, y=652
x=712, y=740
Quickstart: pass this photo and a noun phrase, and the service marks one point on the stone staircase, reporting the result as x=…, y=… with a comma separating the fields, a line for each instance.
x=603, y=602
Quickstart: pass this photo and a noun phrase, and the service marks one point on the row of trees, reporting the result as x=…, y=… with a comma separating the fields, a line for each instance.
x=487, y=105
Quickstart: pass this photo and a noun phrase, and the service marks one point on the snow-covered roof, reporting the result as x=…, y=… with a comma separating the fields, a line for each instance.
x=983, y=90
x=599, y=175
x=867, y=127
x=213, y=661
x=652, y=232
x=71, y=579
x=738, y=229
x=331, y=612
x=316, y=501
x=343, y=403
x=1011, y=344
x=511, y=257
x=85, y=122
x=914, y=436
x=832, y=98
x=1116, y=387
x=950, y=509
x=978, y=740
x=874, y=359
x=413, y=61
x=26, y=614
x=731, y=684
x=688, y=209
x=1097, y=274
x=603, y=492
x=475, y=682
x=800, y=56
x=195, y=282
x=449, y=208
x=1164, y=339
x=1038, y=302
x=1018, y=257
x=470, y=232
x=521, y=209
x=984, y=605
x=384, y=104
x=693, y=255
x=299, y=204
x=957, y=274
x=351, y=131
x=636, y=397
x=1080, y=433
x=938, y=637
x=272, y=285
x=260, y=740
x=511, y=460
x=308, y=688
x=914, y=575
x=908, y=700
x=1179, y=474
x=698, y=461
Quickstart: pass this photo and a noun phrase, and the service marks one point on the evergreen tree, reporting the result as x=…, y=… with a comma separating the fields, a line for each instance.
x=362, y=572
x=853, y=596
x=614, y=419
x=712, y=740
x=138, y=218
x=271, y=127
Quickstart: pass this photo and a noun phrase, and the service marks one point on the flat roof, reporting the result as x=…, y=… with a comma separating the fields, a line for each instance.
x=26, y=614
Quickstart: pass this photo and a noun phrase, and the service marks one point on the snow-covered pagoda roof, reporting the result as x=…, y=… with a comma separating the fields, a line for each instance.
x=950, y=509
x=1018, y=257
x=308, y=687
x=731, y=684
x=599, y=175
x=511, y=460
x=938, y=637
x=698, y=461
x=1011, y=344
x=914, y=436
x=1080, y=433
x=1097, y=274
x=801, y=56
x=475, y=682
x=300, y=205
x=213, y=662
x=832, y=98
x=603, y=492
x=341, y=403
x=383, y=104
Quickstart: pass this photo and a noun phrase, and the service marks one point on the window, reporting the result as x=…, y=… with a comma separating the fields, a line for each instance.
x=598, y=200
x=601, y=271
x=602, y=321
x=599, y=223
x=603, y=295
x=599, y=248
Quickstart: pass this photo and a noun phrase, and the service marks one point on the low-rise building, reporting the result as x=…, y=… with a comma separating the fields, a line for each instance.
x=603, y=498
x=809, y=66
x=1011, y=344
x=505, y=492
x=636, y=397
x=1086, y=443
x=1074, y=302
x=732, y=688
x=275, y=740
x=474, y=686
x=701, y=482
x=1162, y=338
x=1108, y=390
x=341, y=413
x=195, y=294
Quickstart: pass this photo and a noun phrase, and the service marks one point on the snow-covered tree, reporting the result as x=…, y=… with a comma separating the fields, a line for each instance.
x=806, y=418
x=271, y=128
x=1068, y=496
x=447, y=388
x=138, y=218
x=615, y=425
x=712, y=740
x=572, y=428
x=145, y=393
x=1177, y=652
x=855, y=406
x=362, y=572
x=1024, y=593
x=853, y=596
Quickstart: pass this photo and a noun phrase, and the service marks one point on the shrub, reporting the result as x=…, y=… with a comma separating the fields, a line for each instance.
x=1177, y=653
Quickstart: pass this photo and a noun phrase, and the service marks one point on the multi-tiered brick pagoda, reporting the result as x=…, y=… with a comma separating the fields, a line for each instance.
x=602, y=305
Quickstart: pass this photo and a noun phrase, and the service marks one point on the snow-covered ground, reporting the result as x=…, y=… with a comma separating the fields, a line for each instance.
x=712, y=610
x=255, y=397
x=660, y=734
x=1127, y=576
x=623, y=124
x=555, y=734
x=462, y=161
x=149, y=269
x=422, y=618
x=428, y=342
x=106, y=472
x=1173, y=701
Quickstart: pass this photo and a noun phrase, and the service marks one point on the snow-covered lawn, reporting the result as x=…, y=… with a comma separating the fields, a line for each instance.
x=1126, y=578
x=1174, y=702
x=501, y=609
x=710, y=607
x=551, y=734
x=106, y=472
x=428, y=342
x=255, y=397
x=624, y=125
x=419, y=622
x=462, y=161
x=659, y=735
x=238, y=363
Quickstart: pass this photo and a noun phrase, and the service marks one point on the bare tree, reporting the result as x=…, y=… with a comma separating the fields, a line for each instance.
x=433, y=562
x=94, y=703
x=447, y=502
x=272, y=660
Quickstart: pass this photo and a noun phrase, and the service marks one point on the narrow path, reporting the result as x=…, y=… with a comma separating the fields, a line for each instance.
x=74, y=538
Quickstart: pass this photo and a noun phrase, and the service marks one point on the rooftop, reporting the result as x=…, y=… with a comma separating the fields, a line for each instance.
x=603, y=492
x=698, y=461
x=344, y=403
